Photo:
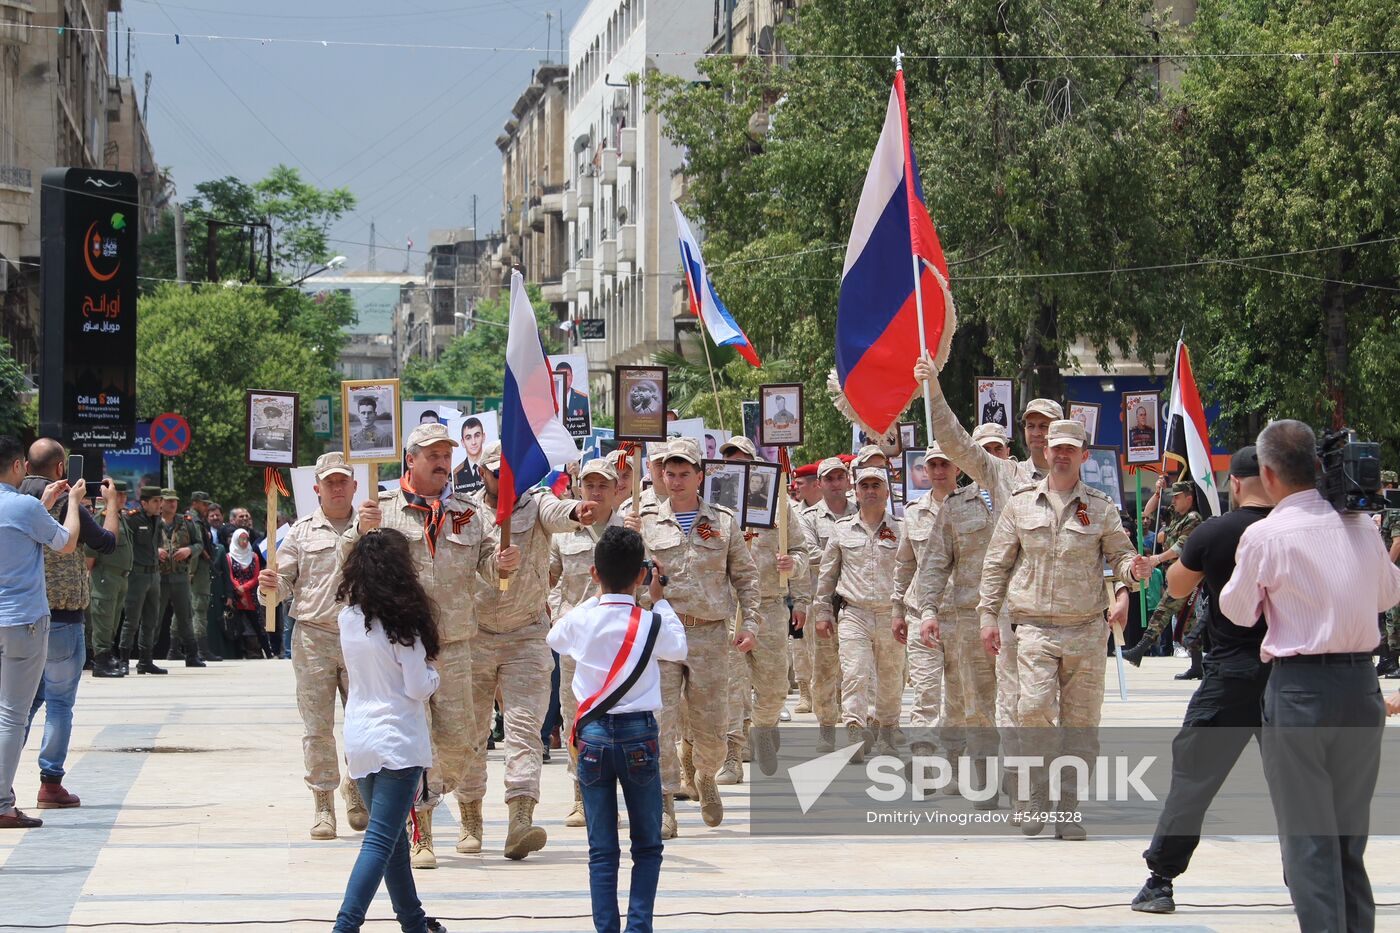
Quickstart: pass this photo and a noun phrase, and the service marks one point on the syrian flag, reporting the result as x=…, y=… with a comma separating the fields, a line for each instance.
x=1188, y=437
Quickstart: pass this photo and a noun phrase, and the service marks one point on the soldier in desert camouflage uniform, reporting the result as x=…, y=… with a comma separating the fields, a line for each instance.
x=308, y=570
x=818, y=521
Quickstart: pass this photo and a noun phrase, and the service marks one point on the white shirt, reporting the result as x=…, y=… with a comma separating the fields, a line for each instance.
x=386, y=719
x=592, y=634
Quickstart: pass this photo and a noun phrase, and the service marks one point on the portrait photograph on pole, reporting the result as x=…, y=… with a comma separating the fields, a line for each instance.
x=1087, y=414
x=782, y=415
x=995, y=403
x=272, y=427
x=725, y=484
x=761, y=495
x=640, y=403
x=1141, y=427
x=369, y=427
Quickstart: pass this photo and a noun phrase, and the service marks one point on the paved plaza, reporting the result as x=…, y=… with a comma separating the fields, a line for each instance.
x=194, y=812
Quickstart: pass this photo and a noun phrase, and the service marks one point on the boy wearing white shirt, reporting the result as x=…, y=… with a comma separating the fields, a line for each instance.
x=616, y=644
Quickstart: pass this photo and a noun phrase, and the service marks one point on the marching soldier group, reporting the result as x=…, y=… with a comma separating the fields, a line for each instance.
x=1002, y=579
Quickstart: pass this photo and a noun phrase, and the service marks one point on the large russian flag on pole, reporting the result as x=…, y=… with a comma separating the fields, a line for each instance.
x=533, y=437
x=878, y=334
x=1188, y=436
x=704, y=300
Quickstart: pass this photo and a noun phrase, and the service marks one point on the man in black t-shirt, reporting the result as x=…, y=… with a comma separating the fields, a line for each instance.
x=1231, y=694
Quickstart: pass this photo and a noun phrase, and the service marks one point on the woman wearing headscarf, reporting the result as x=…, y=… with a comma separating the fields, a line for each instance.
x=244, y=620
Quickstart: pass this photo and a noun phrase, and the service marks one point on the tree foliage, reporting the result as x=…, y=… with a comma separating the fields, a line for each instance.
x=200, y=348
x=15, y=416
x=1033, y=163
x=474, y=363
x=1290, y=155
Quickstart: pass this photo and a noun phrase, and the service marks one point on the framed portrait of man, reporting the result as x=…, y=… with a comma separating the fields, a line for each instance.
x=1141, y=427
x=915, y=476
x=725, y=484
x=1102, y=472
x=1087, y=414
x=994, y=403
x=474, y=433
x=781, y=405
x=761, y=495
x=640, y=399
x=370, y=429
x=272, y=427
x=571, y=390
x=908, y=435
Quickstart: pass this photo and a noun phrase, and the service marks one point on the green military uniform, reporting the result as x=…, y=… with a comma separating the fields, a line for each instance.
x=175, y=578
x=143, y=584
x=1173, y=538
x=1390, y=527
x=201, y=571
x=109, y=586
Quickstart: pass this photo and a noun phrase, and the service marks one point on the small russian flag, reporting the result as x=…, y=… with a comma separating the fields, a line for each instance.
x=704, y=300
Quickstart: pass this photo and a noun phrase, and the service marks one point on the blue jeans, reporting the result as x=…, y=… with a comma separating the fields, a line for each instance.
x=384, y=853
x=288, y=627
x=613, y=750
x=552, y=718
x=63, y=671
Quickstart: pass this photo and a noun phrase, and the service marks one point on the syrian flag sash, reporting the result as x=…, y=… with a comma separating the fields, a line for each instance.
x=632, y=658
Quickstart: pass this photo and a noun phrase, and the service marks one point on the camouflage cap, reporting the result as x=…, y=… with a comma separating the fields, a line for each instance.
x=1045, y=406
x=739, y=443
x=426, y=435
x=872, y=473
x=935, y=452
x=491, y=456
x=597, y=467
x=332, y=463
x=866, y=453
x=170, y=494
x=831, y=465
x=683, y=448
x=1389, y=478
x=620, y=460
x=990, y=433
x=200, y=496
x=1184, y=487
x=1063, y=432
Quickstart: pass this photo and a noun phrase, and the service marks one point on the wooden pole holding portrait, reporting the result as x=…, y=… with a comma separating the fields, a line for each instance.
x=271, y=442
x=780, y=425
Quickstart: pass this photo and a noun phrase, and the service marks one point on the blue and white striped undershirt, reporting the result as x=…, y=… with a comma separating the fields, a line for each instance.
x=687, y=519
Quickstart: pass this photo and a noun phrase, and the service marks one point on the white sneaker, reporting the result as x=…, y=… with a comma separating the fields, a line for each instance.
x=1179, y=650
x=785, y=716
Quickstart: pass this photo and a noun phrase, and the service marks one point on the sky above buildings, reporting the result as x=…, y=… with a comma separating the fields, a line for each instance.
x=411, y=131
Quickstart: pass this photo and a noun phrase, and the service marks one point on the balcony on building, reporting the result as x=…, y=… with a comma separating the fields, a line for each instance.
x=585, y=191
x=608, y=167
x=627, y=146
x=571, y=205
x=627, y=243
x=553, y=201
x=15, y=192
x=535, y=215
x=570, y=284
x=552, y=292
x=16, y=16
x=607, y=257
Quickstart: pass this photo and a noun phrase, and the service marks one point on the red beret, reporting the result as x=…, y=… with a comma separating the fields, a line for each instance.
x=846, y=458
x=807, y=469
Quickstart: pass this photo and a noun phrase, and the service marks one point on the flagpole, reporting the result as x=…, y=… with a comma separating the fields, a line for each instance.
x=714, y=386
x=918, y=287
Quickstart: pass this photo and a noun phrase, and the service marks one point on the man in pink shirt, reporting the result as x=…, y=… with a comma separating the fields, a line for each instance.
x=1318, y=577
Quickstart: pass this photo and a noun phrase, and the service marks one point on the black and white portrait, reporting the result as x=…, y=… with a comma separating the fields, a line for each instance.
x=782, y=415
x=371, y=434
x=761, y=505
x=641, y=403
x=725, y=484
x=272, y=428
x=994, y=402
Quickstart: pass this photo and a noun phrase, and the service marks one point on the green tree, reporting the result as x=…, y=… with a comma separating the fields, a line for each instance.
x=1291, y=155
x=199, y=349
x=474, y=363
x=15, y=416
x=1033, y=163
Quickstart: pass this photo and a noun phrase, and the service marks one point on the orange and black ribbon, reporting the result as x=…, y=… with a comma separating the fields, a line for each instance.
x=887, y=535
x=1081, y=512
x=749, y=535
x=784, y=462
x=432, y=521
x=272, y=479
x=705, y=531
x=460, y=520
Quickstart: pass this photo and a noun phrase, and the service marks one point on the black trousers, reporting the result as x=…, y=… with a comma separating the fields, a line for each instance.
x=1202, y=758
x=1322, y=752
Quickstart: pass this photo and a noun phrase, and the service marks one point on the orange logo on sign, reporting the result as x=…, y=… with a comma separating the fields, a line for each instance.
x=100, y=249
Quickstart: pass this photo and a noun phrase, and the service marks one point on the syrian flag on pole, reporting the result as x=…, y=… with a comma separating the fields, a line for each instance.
x=1188, y=436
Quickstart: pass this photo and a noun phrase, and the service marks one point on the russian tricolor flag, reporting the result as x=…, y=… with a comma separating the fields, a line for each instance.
x=877, y=325
x=533, y=437
x=704, y=300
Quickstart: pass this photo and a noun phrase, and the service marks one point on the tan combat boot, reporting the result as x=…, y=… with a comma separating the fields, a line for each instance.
x=855, y=734
x=746, y=747
x=575, y=817
x=687, y=789
x=711, y=808
x=355, y=810
x=524, y=836
x=804, y=698
x=979, y=783
x=469, y=833
x=323, y=823
x=954, y=764
x=884, y=742
x=732, y=771
x=420, y=850
x=668, y=816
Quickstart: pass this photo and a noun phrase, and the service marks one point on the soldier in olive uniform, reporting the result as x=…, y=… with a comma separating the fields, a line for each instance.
x=509, y=654
x=109, y=584
x=701, y=548
x=570, y=563
x=177, y=546
x=1185, y=519
x=143, y=585
x=201, y=571
x=1045, y=562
